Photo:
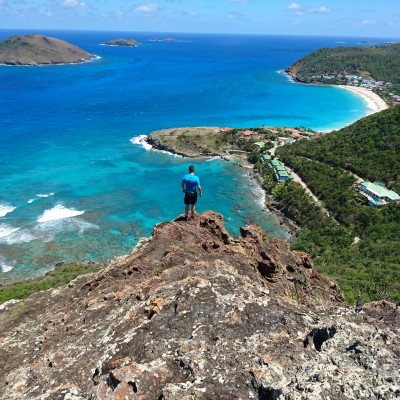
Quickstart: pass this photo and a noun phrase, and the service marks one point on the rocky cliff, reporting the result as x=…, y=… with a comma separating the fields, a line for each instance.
x=193, y=313
x=40, y=50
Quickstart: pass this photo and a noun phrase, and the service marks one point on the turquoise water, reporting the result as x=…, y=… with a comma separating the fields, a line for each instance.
x=74, y=184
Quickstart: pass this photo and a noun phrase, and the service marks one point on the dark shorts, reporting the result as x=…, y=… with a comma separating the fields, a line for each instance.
x=190, y=198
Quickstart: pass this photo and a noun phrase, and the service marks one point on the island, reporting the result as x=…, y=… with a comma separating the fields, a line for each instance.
x=37, y=49
x=167, y=39
x=123, y=42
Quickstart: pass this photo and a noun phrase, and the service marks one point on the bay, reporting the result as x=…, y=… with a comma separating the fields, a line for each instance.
x=75, y=187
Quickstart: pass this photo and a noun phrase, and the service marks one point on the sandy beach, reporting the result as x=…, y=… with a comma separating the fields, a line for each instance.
x=374, y=102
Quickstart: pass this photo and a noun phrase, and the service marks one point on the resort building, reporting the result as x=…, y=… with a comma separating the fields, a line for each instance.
x=377, y=194
x=265, y=158
x=259, y=144
x=281, y=176
x=274, y=163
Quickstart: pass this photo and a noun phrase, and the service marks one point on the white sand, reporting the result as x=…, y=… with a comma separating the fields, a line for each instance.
x=374, y=102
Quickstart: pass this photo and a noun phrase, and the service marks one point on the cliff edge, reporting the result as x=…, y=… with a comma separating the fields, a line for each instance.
x=194, y=313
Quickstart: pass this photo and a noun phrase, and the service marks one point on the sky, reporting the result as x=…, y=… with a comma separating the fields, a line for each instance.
x=363, y=18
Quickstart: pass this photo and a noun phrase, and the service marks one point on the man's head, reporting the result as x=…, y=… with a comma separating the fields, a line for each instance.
x=191, y=168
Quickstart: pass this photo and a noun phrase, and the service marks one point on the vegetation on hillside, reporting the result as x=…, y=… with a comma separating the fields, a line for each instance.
x=356, y=244
x=381, y=63
x=59, y=277
x=337, y=65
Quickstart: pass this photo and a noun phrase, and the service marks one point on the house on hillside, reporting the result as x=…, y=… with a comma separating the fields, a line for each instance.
x=260, y=145
x=377, y=194
x=246, y=134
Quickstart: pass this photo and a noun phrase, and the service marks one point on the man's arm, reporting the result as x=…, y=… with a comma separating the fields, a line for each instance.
x=183, y=187
x=200, y=190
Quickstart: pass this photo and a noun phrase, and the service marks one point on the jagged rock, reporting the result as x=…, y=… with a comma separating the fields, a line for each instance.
x=193, y=313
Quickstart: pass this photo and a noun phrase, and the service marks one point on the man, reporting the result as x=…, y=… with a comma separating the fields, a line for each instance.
x=190, y=185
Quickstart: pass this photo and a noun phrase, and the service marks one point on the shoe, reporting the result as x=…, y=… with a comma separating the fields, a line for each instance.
x=191, y=219
x=186, y=218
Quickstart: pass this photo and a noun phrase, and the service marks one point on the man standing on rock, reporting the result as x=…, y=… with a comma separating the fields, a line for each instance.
x=190, y=185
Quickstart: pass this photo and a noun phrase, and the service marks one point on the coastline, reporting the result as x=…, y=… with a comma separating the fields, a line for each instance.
x=374, y=102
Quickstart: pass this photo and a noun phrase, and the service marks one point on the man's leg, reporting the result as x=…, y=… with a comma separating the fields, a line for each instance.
x=186, y=210
x=193, y=209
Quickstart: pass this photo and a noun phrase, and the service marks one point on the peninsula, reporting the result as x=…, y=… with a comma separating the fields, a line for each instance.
x=223, y=142
x=122, y=42
x=40, y=50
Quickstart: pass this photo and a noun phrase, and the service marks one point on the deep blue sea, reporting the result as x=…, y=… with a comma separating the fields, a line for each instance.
x=75, y=186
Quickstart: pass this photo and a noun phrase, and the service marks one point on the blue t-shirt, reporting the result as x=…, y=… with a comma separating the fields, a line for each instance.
x=191, y=182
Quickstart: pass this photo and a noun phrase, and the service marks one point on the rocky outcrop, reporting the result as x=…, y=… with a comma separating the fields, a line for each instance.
x=194, y=313
x=40, y=50
x=122, y=42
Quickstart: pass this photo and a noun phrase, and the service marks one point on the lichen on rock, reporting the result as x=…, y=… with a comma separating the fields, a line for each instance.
x=194, y=313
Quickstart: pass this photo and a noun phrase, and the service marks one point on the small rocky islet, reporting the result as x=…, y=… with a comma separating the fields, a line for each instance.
x=122, y=42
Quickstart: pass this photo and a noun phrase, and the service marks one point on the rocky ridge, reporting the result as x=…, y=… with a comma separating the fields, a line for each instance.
x=194, y=313
x=40, y=50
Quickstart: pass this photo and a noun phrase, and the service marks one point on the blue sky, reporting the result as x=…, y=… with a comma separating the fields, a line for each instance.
x=367, y=18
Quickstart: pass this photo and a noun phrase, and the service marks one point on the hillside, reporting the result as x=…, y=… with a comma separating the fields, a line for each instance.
x=193, y=313
x=381, y=63
x=358, y=245
x=40, y=50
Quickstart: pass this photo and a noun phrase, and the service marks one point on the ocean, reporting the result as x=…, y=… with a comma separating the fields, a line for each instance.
x=75, y=183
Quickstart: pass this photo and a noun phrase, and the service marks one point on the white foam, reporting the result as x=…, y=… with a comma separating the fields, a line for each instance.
x=5, y=265
x=6, y=230
x=58, y=212
x=141, y=140
x=5, y=209
x=30, y=201
x=213, y=158
x=45, y=194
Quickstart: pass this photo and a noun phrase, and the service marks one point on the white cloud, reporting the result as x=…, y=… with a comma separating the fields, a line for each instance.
x=320, y=10
x=299, y=10
x=73, y=4
x=147, y=8
x=367, y=22
x=294, y=6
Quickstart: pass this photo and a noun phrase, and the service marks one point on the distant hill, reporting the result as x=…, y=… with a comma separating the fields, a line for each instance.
x=40, y=50
x=381, y=63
